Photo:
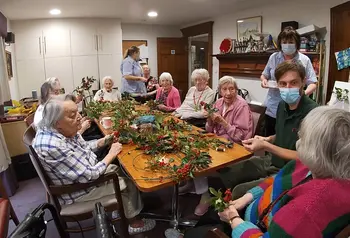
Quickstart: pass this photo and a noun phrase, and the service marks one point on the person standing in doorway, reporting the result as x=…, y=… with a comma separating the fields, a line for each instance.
x=288, y=43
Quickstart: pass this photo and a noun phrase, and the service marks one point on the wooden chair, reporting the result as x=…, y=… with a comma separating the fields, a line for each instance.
x=258, y=116
x=29, y=119
x=81, y=210
x=4, y=216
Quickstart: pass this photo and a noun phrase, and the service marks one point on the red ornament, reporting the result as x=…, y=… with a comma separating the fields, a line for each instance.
x=226, y=46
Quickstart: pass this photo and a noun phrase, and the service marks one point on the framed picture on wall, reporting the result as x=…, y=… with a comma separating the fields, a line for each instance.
x=9, y=64
x=247, y=27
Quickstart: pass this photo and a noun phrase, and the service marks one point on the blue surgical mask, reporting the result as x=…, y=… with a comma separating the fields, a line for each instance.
x=290, y=95
x=289, y=49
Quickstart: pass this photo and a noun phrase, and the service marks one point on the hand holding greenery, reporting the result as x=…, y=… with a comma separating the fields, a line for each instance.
x=220, y=202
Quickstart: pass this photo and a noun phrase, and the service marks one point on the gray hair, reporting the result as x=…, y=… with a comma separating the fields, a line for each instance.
x=107, y=78
x=200, y=73
x=324, y=144
x=228, y=79
x=166, y=76
x=53, y=81
x=53, y=111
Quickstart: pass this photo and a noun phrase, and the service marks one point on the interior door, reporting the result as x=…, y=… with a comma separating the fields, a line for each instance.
x=109, y=35
x=84, y=39
x=29, y=45
x=61, y=67
x=340, y=40
x=173, y=58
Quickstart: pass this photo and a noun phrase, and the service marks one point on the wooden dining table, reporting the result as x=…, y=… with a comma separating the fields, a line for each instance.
x=134, y=161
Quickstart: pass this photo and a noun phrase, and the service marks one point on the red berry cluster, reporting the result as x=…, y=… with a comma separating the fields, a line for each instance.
x=228, y=196
x=184, y=171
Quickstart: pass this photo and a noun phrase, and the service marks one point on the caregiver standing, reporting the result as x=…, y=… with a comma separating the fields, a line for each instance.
x=133, y=81
x=288, y=43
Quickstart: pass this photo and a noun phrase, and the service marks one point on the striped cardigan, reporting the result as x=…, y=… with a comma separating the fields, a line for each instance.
x=318, y=208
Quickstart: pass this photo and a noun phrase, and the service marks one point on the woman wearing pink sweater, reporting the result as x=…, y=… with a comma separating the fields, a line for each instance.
x=234, y=120
x=167, y=95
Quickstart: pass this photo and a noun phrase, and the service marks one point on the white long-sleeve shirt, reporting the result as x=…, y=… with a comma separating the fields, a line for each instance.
x=114, y=95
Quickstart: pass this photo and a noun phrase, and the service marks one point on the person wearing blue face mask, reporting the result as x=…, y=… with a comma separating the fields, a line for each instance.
x=281, y=147
x=289, y=44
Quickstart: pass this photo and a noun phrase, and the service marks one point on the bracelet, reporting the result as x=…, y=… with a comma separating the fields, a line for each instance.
x=232, y=218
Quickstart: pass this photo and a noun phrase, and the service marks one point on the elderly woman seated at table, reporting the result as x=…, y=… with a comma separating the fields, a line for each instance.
x=307, y=198
x=167, y=95
x=108, y=93
x=68, y=159
x=51, y=87
x=233, y=120
x=191, y=107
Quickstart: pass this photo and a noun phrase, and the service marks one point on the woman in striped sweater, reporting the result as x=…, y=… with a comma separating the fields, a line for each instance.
x=307, y=198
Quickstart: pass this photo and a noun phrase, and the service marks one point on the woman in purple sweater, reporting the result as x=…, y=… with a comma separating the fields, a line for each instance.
x=307, y=198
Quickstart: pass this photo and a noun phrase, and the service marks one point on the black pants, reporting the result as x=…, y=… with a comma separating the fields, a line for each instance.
x=209, y=221
x=270, y=124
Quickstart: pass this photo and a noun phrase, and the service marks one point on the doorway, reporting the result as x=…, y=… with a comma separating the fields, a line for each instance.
x=340, y=40
x=173, y=58
x=198, y=54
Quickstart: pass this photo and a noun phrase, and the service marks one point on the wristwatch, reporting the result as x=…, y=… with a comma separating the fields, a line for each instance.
x=232, y=218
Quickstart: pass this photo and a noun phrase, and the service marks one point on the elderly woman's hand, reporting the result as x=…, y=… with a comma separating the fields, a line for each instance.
x=242, y=202
x=228, y=214
x=162, y=107
x=254, y=144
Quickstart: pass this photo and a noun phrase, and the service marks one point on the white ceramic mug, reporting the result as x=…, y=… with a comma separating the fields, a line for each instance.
x=106, y=122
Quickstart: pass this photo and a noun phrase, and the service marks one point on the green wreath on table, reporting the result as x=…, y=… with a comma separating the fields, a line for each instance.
x=165, y=135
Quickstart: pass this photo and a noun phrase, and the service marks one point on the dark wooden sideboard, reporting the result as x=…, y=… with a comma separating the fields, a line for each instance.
x=245, y=64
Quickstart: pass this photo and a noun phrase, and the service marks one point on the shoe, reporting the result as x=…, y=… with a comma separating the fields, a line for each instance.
x=173, y=233
x=187, y=188
x=148, y=225
x=201, y=209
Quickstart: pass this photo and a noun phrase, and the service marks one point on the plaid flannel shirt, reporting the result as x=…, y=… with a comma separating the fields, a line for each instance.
x=68, y=160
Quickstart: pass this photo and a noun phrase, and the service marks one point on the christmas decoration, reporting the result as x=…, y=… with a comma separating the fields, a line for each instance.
x=162, y=135
x=220, y=202
x=209, y=108
x=86, y=84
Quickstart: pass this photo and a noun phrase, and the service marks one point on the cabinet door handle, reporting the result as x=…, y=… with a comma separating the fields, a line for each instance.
x=40, y=45
x=100, y=42
x=96, y=42
x=45, y=45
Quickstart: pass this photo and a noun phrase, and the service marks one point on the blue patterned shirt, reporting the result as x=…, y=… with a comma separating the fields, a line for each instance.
x=68, y=160
x=273, y=96
x=131, y=67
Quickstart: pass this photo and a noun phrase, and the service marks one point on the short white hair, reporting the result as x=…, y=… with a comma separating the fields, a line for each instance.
x=324, y=144
x=53, y=81
x=200, y=73
x=166, y=76
x=107, y=78
x=228, y=79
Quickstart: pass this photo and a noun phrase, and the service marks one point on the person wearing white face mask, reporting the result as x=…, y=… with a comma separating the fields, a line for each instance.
x=289, y=44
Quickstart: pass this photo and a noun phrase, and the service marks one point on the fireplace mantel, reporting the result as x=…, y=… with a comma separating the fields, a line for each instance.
x=245, y=64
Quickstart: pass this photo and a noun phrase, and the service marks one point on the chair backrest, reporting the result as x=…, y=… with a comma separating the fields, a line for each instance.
x=258, y=113
x=29, y=119
x=28, y=137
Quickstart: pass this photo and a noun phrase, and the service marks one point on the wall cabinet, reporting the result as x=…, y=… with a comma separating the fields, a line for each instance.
x=69, y=49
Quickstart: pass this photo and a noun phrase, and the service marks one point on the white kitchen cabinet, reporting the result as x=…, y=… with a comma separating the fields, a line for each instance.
x=56, y=41
x=109, y=65
x=84, y=66
x=61, y=67
x=69, y=49
x=31, y=75
x=29, y=46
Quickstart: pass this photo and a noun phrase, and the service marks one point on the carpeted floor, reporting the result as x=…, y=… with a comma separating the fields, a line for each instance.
x=31, y=194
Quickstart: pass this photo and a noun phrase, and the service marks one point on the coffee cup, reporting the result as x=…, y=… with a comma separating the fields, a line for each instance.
x=106, y=122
